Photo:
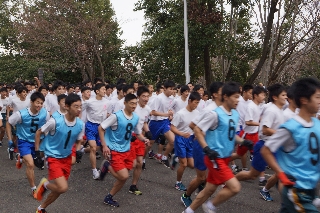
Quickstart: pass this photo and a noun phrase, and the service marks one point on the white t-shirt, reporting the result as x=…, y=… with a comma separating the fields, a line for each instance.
x=15, y=118
x=209, y=102
x=17, y=104
x=242, y=110
x=182, y=120
x=203, y=113
x=201, y=105
x=180, y=104
x=272, y=117
x=143, y=114
x=4, y=103
x=253, y=114
x=112, y=104
x=287, y=113
x=96, y=109
x=52, y=103
x=119, y=105
x=162, y=104
x=210, y=120
x=50, y=126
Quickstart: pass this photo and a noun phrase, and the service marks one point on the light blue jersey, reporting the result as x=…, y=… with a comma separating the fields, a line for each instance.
x=222, y=138
x=59, y=145
x=303, y=163
x=120, y=138
x=30, y=124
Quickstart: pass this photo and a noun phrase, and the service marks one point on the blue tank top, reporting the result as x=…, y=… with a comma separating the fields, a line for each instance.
x=30, y=124
x=45, y=139
x=303, y=162
x=120, y=138
x=59, y=145
x=222, y=138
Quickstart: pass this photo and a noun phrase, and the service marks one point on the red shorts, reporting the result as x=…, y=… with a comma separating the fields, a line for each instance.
x=221, y=174
x=73, y=153
x=121, y=160
x=254, y=137
x=59, y=167
x=137, y=148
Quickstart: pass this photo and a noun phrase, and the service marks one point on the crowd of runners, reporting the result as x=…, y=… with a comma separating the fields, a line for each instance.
x=53, y=126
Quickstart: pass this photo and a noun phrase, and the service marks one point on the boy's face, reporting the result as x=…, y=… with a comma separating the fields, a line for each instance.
x=193, y=104
x=108, y=91
x=281, y=99
x=29, y=88
x=168, y=91
x=232, y=101
x=71, y=90
x=247, y=94
x=200, y=91
x=150, y=87
x=135, y=86
x=75, y=108
x=4, y=94
x=260, y=97
x=185, y=94
x=89, y=85
x=143, y=99
x=130, y=91
x=76, y=90
x=130, y=106
x=62, y=103
x=313, y=105
x=102, y=91
x=218, y=96
x=44, y=92
x=23, y=94
x=37, y=104
x=86, y=94
x=60, y=90
x=205, y=97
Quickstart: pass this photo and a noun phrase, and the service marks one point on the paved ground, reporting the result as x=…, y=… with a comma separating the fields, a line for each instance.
x=86, y=194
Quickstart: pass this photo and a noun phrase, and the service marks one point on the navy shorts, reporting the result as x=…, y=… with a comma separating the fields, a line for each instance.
x=158, y=127
x=198, y=156
x=258, y=162
x=26, y=148
x=4, y=119
x=183, y=146
x=92, y=133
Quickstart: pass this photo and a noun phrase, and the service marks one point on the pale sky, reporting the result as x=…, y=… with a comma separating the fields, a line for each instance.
x=130, y=22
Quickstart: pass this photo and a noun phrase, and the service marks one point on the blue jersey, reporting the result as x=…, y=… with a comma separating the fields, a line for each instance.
x=120, y=138
x=59, y=145
x=30, y=124
x=222, y=138
x=56, y=114
x=303, y=163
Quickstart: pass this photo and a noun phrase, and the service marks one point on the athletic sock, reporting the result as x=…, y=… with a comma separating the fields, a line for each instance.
x=144, y=160
x=45, y=184
x=178, y=182
x=210, y=205
x=164, y=157
x=94, y=170
x=189, y=210
x=33, y=188
x=264, y=189
x=261, y=179
x=39, y=207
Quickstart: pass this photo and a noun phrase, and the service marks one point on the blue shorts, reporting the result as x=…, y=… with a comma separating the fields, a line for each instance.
x=4, y=119
x=198, y=156
x=158, y=127
x=26, y=148
x=258, y=162
x=92, y=133
x=183, y=146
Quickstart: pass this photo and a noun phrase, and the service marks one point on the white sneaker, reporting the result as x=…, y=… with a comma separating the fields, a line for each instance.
x=206, y=209
x=96, y=175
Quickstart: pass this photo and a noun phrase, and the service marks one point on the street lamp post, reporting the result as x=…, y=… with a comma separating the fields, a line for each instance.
x=186, y=51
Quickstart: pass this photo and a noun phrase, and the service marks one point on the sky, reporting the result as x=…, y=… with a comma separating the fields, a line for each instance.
x=130, y=22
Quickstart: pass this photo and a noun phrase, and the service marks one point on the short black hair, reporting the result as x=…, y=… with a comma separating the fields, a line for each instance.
x=184, y=88
x=27, y=83
x=60, y=97
x=36, y=95
x=126, y=87
x=121, y=81
x=215, y=86
x=158, y=87
x=129, y=97
x=119, y=87
x=197, y=87
x=20, y=89
x=247, y=87
x=46, y=87
x=57, y=84
x=230, y=89
x=85, y=82
x=206, y=93
x=194, y=96
x=98, y=87
x=257, y=90
x=85, y=88
x=304, y=88
x=4, y=89
x=275, y=90
x=290, y=93
x=141, y=90
x=169, y=83
x=70, y=99
x=70, y=86
x=108, y=86
x=95, y=80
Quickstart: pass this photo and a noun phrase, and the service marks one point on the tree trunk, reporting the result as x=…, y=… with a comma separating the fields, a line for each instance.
x=207, y=66
x=265, y=50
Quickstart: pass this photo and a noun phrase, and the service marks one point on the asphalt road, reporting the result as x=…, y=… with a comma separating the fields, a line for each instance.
x=86, y=194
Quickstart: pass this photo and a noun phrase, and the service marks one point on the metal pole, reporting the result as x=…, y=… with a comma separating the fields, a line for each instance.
x=186, y=52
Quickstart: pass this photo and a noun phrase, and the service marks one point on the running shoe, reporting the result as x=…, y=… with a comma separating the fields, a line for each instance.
x=109, y=201
x=96, y=174
x=158, y=158
x=104, y=169
x=10, y=152
x=174, y=162
x=186, y=200
x=135, y=190
x=143, y=166
x=244, y=169
x=266, y=195
x=166, y=163
x=262, y=183
x=33, y=192
x=180, y=187
x=41, y=211
x=235, y=169
x=40, y=190
x=18, y=162
x=151, y=155
x=206, y=209
x=98, y=156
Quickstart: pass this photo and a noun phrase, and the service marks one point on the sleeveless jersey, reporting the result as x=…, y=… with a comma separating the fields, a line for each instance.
x=45, y=139
x=303, y=163
x=59, y=145
x=120, y=138
x=30, y=124
x=222, y=138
